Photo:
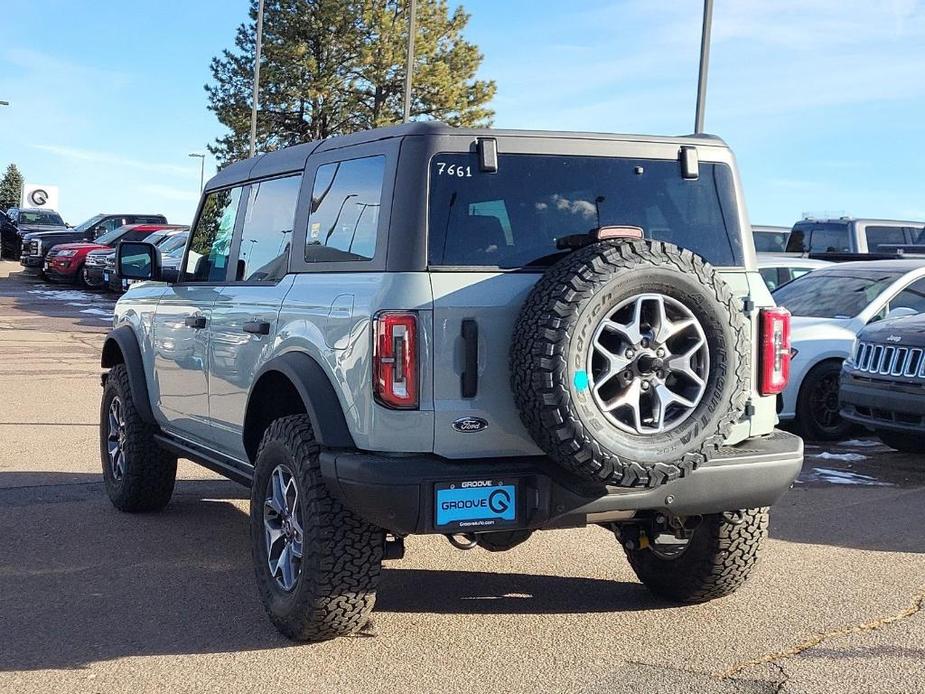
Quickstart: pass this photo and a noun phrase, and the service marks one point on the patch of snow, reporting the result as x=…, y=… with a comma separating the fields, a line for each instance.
x=860, y=443
x=844, y=477
x=844, y=457
x=97, y=312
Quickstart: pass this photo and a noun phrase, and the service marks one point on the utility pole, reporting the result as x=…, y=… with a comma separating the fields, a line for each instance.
x=409, y=69
x=704, y=65
x=202, y=168
x=253, y=147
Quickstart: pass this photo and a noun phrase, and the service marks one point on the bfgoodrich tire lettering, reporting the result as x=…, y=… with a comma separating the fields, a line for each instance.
x=718, y=558
x=142, y=475
x=551, y=342
x=335, y=589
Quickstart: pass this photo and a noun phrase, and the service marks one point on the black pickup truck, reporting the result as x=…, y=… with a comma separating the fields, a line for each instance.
x=17, y=222
x=35, y=246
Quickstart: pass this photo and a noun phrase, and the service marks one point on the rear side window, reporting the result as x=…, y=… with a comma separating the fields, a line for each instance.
x=884, y=236
x=512, y=218
x=267, y=233
x=207, y=259
x=344, y=217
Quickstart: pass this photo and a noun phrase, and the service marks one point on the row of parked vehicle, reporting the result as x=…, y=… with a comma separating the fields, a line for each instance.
x=856, y=291
x=85, y=254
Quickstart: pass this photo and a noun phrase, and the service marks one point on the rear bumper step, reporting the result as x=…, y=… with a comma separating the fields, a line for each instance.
x=398, y=493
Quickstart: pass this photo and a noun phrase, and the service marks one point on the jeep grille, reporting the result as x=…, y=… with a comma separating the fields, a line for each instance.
x=889, y=360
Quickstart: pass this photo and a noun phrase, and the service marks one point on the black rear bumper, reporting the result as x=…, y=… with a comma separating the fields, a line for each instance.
x=398, y=492
x=883, y=404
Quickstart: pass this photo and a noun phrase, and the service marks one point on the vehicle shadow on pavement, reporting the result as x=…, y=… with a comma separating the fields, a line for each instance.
x=482, y=592
x=81, y=582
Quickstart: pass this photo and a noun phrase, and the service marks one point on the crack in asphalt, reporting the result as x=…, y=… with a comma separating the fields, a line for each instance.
x=915, y=606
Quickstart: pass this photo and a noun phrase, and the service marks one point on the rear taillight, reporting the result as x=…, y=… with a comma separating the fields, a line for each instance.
x=775, y=350
x=395, y=362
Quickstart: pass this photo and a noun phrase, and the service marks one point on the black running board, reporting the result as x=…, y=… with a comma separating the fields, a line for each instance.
x=235, y=470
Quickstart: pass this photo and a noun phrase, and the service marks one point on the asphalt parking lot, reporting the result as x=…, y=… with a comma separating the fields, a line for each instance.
x=94, y=600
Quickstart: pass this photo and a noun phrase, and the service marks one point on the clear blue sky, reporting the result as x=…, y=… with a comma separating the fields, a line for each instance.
x=822, y=100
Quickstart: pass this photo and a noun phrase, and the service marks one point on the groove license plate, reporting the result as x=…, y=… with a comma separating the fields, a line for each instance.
x=475, y=504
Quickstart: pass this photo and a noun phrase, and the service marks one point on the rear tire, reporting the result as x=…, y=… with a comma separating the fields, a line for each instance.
x=139, y=475
x=817, y=414
x=330, y=588
x=902, y=441
x=718, y=558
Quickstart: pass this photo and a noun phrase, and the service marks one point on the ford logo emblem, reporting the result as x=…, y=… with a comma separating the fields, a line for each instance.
x=470, y=425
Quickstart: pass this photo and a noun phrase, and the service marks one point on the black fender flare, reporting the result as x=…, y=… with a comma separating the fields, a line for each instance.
x=122, y=341
x=317, y=394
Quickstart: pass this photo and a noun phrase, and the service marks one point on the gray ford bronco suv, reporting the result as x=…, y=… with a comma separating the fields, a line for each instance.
x=473, y=333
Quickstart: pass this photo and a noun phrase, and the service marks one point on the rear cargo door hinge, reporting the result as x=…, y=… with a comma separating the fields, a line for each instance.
x=749, y=410
x=748, y=305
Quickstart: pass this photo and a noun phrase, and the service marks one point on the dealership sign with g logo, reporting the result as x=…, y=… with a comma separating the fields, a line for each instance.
x=36, y=195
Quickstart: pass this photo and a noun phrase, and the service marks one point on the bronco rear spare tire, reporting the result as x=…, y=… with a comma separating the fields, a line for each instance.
x=630, y=362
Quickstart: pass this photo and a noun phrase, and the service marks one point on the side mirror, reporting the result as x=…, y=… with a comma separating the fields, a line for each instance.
x=137, y=260
x=900, y=312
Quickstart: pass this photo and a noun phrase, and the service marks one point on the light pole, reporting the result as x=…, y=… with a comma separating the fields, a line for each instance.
x=202, y=168
x=409, y=67
x=704, y=65
x=253, y=147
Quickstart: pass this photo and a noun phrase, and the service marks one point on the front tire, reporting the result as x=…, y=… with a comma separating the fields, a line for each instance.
x=139, y=475
x=317, y=564
x=904, y=442
x=817, y=411
x=715, y=562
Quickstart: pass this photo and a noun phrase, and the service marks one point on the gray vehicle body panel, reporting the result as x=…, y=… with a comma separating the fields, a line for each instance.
x=199, y=380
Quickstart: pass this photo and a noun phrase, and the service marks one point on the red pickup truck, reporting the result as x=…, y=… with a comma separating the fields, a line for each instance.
x=65, y=262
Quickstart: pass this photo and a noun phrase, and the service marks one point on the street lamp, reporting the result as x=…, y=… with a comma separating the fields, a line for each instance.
x=202, y=168
x=409, y=65
x=704, y=65
x=253, y=142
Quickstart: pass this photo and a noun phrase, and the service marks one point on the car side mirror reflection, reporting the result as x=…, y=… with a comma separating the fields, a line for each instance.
x=137, y=260
x=901, y=311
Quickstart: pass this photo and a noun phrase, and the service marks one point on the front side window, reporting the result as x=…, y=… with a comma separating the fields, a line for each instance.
x=912, y=297
x=344, y=217
x=267, y=233
x=207, y=260
x=512, y=218
x=771, y=241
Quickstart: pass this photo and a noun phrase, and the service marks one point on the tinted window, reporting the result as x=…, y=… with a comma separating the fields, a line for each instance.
x=798, y=241
x=512, y=218
x=135, y=235
x=344, y=215
x=833, y=294
x=912, y=297
x=170, y=244
x=40, y=218
x=770, y=241
x=83, y=226
x=829, y=238
x=881, y=235
x=207, y=260
x=267, y=233
x=110, y=236
x=148, y=219
x=109, y=224
x=770, y=276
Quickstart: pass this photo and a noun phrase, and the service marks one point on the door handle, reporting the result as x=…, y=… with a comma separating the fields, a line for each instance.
x=257, y=327
x=195, y=322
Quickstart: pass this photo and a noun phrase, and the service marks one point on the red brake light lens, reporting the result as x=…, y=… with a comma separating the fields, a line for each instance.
x=775, y=350
x=395, y=367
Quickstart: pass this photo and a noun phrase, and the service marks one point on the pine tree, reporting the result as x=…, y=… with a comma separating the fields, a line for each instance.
x=330, y=67
x=10, y=188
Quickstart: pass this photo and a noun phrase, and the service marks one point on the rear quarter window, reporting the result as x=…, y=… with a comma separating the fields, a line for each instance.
x=512, y=218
